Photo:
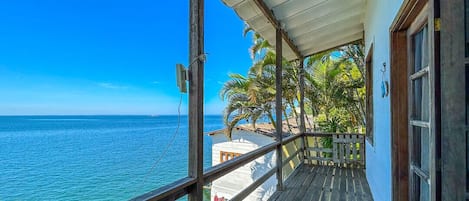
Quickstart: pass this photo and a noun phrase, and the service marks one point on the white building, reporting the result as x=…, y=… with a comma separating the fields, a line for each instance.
x=243, y=141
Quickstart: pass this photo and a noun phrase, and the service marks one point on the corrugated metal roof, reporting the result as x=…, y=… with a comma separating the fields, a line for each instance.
x=312, y=25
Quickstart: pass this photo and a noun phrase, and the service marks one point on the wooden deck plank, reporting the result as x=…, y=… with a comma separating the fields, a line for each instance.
x=309, y=178
x=290, y=184
x=366, y=192
x=335, y=190
x=350, y=188
x=294, y=187
x=330, y=183
x=343, y=185
x=313, y=192
x=326, y=188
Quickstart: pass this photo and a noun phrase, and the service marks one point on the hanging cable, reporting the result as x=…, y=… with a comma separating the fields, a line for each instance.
x=166, y=149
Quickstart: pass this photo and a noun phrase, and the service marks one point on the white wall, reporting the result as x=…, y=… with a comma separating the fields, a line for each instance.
x=232, y=183
x=379, y=16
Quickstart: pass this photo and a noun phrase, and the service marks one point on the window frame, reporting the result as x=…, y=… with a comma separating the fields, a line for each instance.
x=369, y=134
x=226, y=155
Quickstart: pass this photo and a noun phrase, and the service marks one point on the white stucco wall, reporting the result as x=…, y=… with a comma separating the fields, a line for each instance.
x=232, y=183
x=378, y=19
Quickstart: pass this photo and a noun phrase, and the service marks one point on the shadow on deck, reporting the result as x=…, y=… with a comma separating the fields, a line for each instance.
x=316, y=182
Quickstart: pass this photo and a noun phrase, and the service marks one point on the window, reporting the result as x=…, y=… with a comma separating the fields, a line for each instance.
x=225, y=156
x=420, y=134
x=369, y=96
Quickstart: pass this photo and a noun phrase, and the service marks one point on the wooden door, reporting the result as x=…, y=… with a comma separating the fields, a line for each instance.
x=421, y=133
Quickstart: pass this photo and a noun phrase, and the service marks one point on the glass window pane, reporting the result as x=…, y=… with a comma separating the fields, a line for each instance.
x=420, y=189
x=415, y=187
x=421, y=148
x=425, y=49
x=421, y=97
x=421, y=50
x=424, y=191
x=418, y=51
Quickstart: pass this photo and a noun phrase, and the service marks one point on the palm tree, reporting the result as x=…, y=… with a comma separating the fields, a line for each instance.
x=334, y=87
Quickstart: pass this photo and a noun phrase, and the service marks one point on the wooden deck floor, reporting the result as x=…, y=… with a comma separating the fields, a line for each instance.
x=317, y=183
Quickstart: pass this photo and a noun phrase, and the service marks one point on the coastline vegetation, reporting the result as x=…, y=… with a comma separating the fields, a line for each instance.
x=334, y=89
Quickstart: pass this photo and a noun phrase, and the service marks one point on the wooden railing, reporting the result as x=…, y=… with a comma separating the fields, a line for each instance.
x=308, y=147
x=345, y=150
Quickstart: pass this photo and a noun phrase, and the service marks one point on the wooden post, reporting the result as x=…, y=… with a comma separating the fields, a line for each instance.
x=301, y=73
x=453, y=100
x=196, y=97
x=278, y=106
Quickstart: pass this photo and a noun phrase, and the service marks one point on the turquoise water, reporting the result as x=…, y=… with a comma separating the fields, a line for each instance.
x=92, y=157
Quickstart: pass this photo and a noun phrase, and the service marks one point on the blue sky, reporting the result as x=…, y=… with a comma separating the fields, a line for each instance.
x=110, y=56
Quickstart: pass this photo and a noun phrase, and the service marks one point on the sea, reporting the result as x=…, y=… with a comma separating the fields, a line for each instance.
x=93, y=157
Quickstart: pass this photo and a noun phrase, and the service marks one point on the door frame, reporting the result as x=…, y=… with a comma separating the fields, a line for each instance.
x=447, y=21
x=407, y=14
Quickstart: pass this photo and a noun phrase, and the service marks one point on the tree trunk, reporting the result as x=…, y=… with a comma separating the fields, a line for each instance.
x=295, y=114
x=286, y=119
x=272, y=120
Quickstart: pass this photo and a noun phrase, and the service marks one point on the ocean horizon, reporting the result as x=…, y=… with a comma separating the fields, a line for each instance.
x=94, y=157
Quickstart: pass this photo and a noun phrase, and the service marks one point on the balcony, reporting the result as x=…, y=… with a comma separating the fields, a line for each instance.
x=309, y=170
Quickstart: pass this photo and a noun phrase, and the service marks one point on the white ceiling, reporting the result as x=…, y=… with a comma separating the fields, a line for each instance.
x=312, y=25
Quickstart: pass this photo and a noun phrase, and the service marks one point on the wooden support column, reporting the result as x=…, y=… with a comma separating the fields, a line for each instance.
x=301, y=73
x=196, y=97
x=278, y=106
x=453, y=102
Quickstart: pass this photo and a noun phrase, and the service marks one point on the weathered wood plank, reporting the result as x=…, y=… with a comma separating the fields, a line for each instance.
x=174, y=190
x=343, y=151
x=335, y=151
x=354, y=149
x=453, y=100
x=358, y=185
x=362, y=154
x=366, y=187
x=324, y=134
x=347, y=149
x=315, y=188
x=349, y=188
x=326, y=189
x=336, y=180
x=295, y=188
x=313, y=182
x=278, y=104
x=343, y=184
x=318, y=149
x=196, y=98
x=320, y=159
x=346, y=139
x=309, y=177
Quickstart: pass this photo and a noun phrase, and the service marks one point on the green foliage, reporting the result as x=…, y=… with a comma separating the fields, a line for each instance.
x=334, y=88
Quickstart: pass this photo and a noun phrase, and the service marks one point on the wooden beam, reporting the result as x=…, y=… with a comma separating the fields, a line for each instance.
x=301, y=72
x=453, y=94
x=399, y=116
x=196, y=97
x=278, y=106
x=171, y=191
x=277, y=25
